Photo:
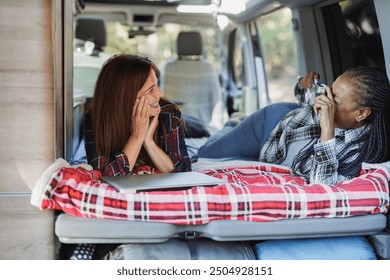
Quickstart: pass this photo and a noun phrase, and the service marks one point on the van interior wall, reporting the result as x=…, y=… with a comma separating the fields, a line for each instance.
x=382, y=7
x=26, y=125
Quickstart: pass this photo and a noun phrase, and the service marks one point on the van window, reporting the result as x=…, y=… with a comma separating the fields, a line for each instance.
x=160, y=44
x=280, y=54
x=359, y=42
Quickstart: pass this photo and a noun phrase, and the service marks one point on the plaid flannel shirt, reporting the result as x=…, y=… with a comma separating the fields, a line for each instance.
x=322, y=165
x=173, y=145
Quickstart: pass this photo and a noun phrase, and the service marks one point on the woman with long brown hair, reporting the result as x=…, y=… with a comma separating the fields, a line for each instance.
x=130, y=124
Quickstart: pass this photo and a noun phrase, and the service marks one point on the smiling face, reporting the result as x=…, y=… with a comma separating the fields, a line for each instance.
x=152, y=93
x=349, y=113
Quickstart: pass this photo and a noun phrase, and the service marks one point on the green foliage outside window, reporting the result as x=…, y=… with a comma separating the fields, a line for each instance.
x=277, y=42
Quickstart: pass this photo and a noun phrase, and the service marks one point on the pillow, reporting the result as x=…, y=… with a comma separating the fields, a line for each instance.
x=335, y=248
x=178, y=249
x=195, y=128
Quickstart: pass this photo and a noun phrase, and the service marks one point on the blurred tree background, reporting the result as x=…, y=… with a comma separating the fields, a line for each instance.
x=161, y=44
x=277, y=41
x=280, y=54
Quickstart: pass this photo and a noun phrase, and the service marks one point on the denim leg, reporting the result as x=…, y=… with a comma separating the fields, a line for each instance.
x=246, y=139
x=270, y=118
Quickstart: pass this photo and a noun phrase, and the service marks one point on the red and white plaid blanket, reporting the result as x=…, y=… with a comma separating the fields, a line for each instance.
x=254, y=193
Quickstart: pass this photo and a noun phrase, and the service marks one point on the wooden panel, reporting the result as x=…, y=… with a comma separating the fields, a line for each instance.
x=21, y=175
x=26, y=125
x=26, y=94
x=26, y=232
x=26, y=131
x=26, y=79
x=25, y=20
x=29, y=55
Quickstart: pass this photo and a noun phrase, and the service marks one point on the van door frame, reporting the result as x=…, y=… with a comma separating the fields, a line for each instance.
x=259, y=66
x=58, y=79
x=63, y=78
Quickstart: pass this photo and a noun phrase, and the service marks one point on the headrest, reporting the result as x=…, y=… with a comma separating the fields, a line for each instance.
x=92, y=29
x=189, y=43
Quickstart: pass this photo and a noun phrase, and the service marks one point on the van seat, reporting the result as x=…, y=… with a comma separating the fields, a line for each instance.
x=192, y=79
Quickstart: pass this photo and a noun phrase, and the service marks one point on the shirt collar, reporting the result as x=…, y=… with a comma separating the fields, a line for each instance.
x=339, y=131
x=351, y=134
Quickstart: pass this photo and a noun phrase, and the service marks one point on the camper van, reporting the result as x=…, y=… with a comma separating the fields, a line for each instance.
x=219, y=62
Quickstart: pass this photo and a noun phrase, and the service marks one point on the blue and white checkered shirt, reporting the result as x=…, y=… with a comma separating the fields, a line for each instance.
x=322, y=166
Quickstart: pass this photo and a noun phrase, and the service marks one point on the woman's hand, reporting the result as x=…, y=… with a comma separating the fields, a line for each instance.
x=308, y=80
x=151, y=130
x=139, y=127
x=325, y=107
x=140, y=119
x=160, y=159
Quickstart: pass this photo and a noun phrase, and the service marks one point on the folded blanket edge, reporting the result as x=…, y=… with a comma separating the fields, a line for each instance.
x=385, y=166
x=43, y=180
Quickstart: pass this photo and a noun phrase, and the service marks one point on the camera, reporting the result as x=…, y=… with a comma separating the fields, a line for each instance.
x=318, y=87
x=316, y=90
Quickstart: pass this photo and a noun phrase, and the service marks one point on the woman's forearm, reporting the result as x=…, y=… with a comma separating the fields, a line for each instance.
x=160, y=159
x=131, y=150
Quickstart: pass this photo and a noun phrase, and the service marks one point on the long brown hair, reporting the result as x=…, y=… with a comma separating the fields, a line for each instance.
x=120, y=79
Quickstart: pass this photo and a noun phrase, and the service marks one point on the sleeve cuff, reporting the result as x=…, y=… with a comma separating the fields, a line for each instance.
x=122, y=164
x=299, y=92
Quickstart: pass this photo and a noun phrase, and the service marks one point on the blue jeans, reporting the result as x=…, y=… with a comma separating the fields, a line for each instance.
x=245, y=140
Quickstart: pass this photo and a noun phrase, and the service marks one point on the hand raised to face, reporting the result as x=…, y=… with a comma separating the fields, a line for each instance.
x=308, y=80
x=140, y=119
x=151, y=130
x=325, y=107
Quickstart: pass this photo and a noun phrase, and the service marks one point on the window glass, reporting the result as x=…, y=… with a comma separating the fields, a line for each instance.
x=238, y=65
x=161, y=44
x=280, y=54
